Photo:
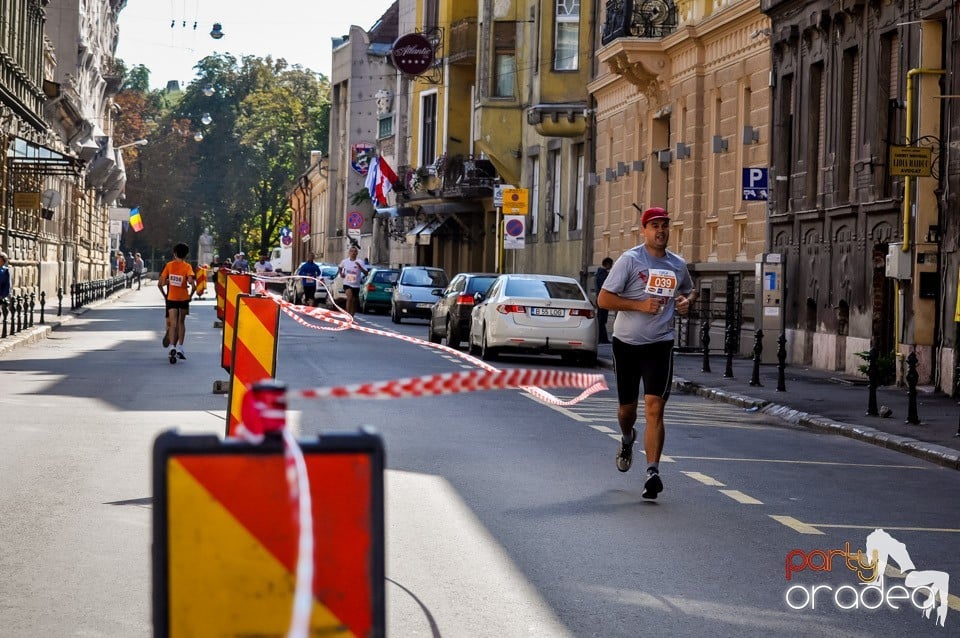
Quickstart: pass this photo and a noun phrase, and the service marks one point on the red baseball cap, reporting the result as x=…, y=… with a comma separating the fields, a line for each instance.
x=653, y=213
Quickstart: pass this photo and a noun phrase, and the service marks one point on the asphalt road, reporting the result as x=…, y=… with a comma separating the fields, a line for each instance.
x=505, y=516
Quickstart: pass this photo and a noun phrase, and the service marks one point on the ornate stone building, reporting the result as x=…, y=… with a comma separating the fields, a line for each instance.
x=871, y=253
x=61, y=171
x=680, y=108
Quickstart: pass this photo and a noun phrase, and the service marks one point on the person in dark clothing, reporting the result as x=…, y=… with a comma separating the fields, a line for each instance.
x=602, y=313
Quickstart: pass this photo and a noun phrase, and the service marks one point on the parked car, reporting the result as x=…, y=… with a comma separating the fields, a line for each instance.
x=450, y=316
x=294, y=287
x=376, y=292
x=535, y=314
x=415, y=292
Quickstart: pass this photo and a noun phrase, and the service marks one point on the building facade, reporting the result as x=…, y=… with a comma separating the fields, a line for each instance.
x=680, y=113
x=57, y=82
x=871, y=252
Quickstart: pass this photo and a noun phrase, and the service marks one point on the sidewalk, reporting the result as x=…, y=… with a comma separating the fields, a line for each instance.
x=826, y=401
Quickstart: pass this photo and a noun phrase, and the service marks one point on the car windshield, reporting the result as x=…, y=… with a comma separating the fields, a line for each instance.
x=329, y=272
x=480, y=284
x=424, y=278
x=539, y=289
x=385, y=277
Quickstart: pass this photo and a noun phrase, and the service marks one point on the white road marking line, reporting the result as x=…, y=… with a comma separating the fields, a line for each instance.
x=603, y=428
x=947, y=530
x=797, y=526
x=740, y=497
x=703, y=478
x=724, y=458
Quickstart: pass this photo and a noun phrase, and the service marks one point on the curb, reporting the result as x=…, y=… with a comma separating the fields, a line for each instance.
x=938, y=454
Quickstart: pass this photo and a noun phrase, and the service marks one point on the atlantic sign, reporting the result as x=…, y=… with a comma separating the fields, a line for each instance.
x=412, y=53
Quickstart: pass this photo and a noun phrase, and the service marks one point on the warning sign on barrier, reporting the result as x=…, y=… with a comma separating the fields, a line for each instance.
x=220, y=288
x=237, y=284
x=225, y=540
x=254, y=350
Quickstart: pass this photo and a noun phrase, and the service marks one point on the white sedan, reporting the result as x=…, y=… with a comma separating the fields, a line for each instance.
x=535, y=314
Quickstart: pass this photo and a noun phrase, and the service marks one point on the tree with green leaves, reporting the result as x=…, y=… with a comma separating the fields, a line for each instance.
x=229, y=149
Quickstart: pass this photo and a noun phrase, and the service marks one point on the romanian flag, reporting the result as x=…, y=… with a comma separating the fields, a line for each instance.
x=136, y=222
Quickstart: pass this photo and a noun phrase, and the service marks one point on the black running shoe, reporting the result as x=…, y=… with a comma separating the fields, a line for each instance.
x=653, y=485
x=166, y=341
x=173, y=355
x=180, y=355
x=625, y=456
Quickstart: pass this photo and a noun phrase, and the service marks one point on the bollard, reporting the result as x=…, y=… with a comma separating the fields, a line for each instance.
x=33, y=305
x=705, y=340
x=728, y=348
x=73, y=296
x=3, y=318
x=781, y=362
x=873, y=374
x=59, y=301
x=17, y=318
x=912, y=377
x=43, y=301
x=757, y=352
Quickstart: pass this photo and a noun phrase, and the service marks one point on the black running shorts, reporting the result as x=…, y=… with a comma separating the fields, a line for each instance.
x=177, y=305
x=651, y=363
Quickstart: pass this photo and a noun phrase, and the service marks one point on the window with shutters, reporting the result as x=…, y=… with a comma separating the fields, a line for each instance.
x=534, y=201
x=576, y=220
x=814, y=135
x=783, y=145
x=504, y=59
x=556, y=190
x=889, y=108
x=428, y=129
x=847, y=140
x=566, y=44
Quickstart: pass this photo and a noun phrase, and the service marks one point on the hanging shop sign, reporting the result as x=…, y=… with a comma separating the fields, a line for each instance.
x=412, y=53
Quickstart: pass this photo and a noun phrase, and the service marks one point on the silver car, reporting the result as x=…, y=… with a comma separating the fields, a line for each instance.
x=535, y=314
x=415, y=292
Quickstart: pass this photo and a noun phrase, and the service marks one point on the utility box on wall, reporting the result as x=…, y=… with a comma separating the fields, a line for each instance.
x=899, y=264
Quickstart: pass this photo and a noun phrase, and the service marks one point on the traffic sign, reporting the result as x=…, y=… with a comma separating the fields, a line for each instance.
x=353, y=233
x=515, y=201
x=304, y=228
x=354, y=220
x=514, y=232
x=498, y=194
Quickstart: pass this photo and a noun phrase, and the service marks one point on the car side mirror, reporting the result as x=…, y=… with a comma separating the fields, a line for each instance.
x=437, y=292
x=478, y=297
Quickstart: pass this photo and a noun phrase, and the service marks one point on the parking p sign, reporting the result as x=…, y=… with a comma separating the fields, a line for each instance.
x=754, y=184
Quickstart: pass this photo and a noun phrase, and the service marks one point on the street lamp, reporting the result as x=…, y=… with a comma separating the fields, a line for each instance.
x=135, y=143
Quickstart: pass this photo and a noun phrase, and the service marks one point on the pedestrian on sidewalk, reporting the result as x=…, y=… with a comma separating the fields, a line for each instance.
x=603, y=315
x=647, y=285
x=4, y=277
x=177, y=283
x=138, y=268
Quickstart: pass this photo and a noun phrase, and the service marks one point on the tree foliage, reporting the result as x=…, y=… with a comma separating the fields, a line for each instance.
x=265, y=117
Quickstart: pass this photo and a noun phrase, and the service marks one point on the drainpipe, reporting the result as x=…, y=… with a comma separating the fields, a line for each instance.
x=908, y=195
x=907, y=186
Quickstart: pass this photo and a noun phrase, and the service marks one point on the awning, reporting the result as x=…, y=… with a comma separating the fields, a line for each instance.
x=29, y=158
x=423, y=232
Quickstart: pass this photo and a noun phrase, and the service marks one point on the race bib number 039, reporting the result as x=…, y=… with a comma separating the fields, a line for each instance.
x=662, y=283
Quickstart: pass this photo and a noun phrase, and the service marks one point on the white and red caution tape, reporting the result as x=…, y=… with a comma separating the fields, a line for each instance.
x=458, y=382
x=343, y=321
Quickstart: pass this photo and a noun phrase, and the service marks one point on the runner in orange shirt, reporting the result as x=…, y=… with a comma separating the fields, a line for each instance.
x=178, y=279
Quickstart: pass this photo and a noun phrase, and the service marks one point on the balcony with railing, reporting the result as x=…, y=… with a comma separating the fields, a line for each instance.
x=463, y=42
x=639, y=19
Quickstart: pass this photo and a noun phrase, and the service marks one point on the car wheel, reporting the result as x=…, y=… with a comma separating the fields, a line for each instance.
x=453, y=334
x=394, y=315
x=432, y=336
x=486, y=352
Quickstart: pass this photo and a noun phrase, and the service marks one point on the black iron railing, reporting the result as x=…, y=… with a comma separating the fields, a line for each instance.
x=639, y=19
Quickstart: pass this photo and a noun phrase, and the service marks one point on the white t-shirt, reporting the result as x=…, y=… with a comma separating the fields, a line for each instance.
x=263, y=266
x=639, y=275
x=352, y=271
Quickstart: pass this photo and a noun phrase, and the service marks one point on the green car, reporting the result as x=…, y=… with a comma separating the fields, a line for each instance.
x=377, y=289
